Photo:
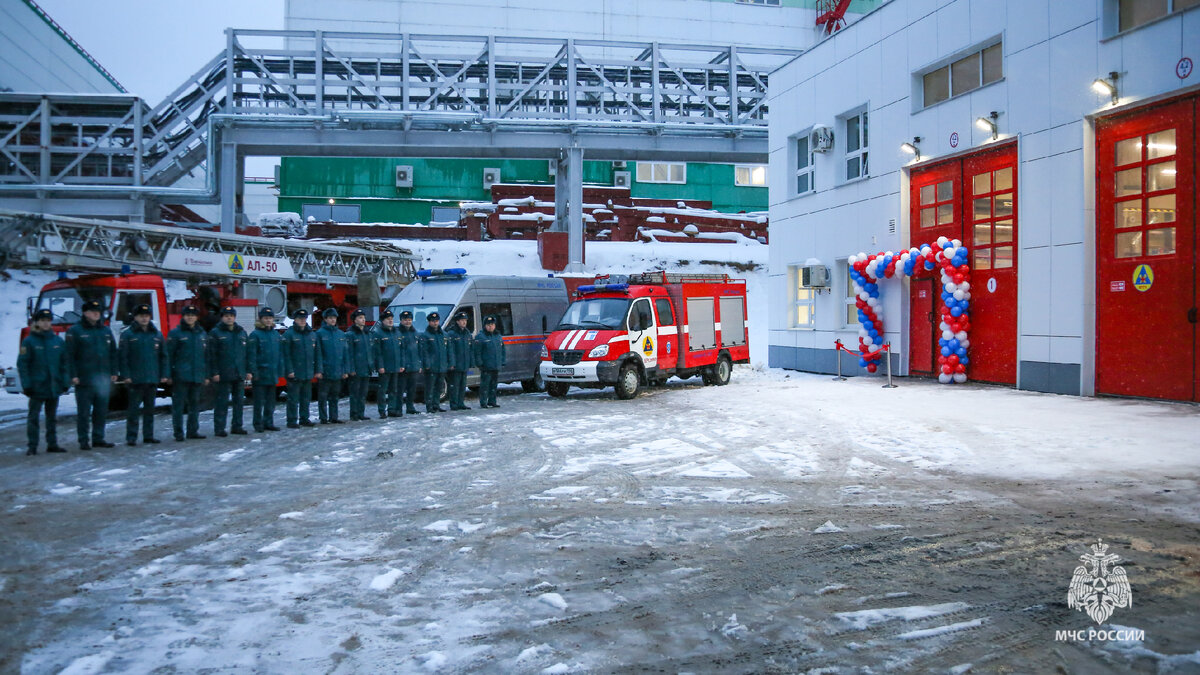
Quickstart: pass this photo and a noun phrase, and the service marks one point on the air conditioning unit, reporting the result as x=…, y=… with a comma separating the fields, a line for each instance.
x=404, y=176
x=821, y=139
x=814, y=276
x=620, y=164
x=552, y=167
x=621, y=179
x=490, y=177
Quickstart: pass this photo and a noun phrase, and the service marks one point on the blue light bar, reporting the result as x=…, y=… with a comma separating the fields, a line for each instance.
x=586, y=289
x=599, y=288
x=424, y=273
x=448, y=272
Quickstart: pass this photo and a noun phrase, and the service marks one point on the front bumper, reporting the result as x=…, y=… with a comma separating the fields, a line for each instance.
x=584, y=372
x=12, y=381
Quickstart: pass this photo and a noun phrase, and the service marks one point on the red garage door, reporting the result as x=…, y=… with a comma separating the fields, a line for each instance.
x=972, y=198
x=1146, y=275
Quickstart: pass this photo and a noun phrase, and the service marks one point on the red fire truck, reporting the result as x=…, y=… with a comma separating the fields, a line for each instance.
x=645, y=328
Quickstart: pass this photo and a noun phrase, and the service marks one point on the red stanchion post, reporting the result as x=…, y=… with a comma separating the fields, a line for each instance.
x=838, y=348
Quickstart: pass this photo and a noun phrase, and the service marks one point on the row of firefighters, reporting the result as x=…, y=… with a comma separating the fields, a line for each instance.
x=228, y=357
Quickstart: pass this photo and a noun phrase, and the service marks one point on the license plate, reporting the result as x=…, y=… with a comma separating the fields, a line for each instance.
x=563, y=371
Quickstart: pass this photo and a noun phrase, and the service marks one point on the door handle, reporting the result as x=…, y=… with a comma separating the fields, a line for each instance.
x=1192, y=315
x=931, y=317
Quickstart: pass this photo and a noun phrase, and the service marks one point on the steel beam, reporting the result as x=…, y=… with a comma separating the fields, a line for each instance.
x=575, y=209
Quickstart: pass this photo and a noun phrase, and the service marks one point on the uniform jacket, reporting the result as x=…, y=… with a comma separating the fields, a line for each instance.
x=358, y=343
x=142, y=355
x=458, y=348
x=227, y=352
x=385, y=348
x=434, y=356
x=489, y=350
x=91, y=351
x=332, y=344
x=42, y=365
x=264, y=354
x=410, y=348
x=301, y=354
x=187, y=350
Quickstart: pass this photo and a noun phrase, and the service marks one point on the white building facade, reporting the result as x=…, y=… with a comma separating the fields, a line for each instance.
x=1056, y=140
x=37, y=55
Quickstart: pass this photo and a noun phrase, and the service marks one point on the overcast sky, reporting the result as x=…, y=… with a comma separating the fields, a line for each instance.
x=150, y=46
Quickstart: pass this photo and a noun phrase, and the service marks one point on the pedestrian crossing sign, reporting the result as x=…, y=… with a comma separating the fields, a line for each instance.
x=1143, y=277
x=235, y=264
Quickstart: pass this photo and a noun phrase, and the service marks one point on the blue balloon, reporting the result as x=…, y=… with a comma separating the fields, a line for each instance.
x=961, y=351
x=874, y=334
x=952, y=343
x=956, y=311
x=862, y=363
x=963, y=359
x=928, y=264
x=945, y=351
x=868, y=325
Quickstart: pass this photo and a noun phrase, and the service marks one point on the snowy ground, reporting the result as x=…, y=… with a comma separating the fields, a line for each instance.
x=784, y=523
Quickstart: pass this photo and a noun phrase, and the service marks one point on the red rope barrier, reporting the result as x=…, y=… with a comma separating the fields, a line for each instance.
x=870, y=356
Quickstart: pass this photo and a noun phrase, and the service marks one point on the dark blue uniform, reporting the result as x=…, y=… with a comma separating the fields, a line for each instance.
x=410, y=359
x=143, y=363
x=92, y=359
x=301, y=362
x=385, y=347
x=187, y=350
x=42, y=368
x=458, y=358
x=490, y=357
x=358, y=342
x=227, y=365
x=331, y=342
x=434, y=361
x=264, y=355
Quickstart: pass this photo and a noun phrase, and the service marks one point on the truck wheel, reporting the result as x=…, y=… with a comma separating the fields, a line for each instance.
x=557, y=389
x=722, y=371
x=535, y=383
x=627, y=382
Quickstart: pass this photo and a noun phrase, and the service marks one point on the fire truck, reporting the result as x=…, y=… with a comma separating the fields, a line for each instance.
x=136, y=264
x=627, y=332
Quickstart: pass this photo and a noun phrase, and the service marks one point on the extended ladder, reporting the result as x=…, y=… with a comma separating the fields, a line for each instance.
x=58, y=242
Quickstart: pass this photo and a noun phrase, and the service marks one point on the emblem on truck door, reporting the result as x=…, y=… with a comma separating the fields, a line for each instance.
x=648, y=346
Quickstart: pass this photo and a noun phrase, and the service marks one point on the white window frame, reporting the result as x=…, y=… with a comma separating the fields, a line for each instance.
x=750, y=169
x=794, y=168
x=848, y=295
x=1111, y=18
x=862, y=152
x=798, y=300
x=948, y=64
x=759, y=3
x=649, y=172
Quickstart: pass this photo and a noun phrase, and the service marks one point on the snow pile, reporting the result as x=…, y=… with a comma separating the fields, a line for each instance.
x=285, y=224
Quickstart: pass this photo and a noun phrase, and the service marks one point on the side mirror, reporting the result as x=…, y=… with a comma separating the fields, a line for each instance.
x=29, y=308
x=106, y=315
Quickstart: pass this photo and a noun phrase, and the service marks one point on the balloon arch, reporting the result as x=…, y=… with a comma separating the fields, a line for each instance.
x=948, y=256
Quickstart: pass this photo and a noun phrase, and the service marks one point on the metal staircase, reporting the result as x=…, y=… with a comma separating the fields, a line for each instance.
x=291, y=92
x=58, y=242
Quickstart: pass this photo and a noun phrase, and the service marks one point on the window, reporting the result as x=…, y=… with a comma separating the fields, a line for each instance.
x=937, y=204
x=963, y=75
x=448, y=321
x=665, y=316
x=503, y=313
x=338, y=213
x=992, y=217
x=804, y=166
x=1145, y=190
x=1134, y=13
x=661, y=172
x=856, y=146
x=803, y=300
x=640, y=317
x=128, y=300
x=851, y=298
x=754, y=175
x=444, y=214
x=764, y=3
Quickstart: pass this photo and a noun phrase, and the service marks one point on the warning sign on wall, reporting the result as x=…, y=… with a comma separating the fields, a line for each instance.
x=1143, y=277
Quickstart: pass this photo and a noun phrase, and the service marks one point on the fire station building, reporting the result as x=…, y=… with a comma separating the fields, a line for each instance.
x=1057, y=140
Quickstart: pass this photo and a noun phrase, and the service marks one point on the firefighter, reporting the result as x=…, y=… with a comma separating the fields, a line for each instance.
x=458, y=348
x=143, y=363
x=433, y=362
x=187, y=351
x=301, y=363
x=358, y=354
x=227, y=369
x=331, y=343
x=264, y=357
x=489, y=356
x=410, y=362
x=42, y=367
x=92, y=368
x=385, y=347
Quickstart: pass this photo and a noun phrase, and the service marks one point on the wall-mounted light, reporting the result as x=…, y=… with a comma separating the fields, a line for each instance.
x=912, y=148
x=989, y=124
x=331, y=202
x=1109, y=86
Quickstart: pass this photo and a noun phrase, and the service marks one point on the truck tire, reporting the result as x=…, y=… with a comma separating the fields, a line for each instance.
x=557, y=389
x=722, y=371
x=628, y=382
x=535, y=383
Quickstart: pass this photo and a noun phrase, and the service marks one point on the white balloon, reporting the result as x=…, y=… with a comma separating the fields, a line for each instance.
x=965, y=343
x=960, y=377
x=862, y=256
x=950, y=287
x=946, y=335
x=966, y=285
x=874, y=302
x=944, y=378
x=966, y=295
x=864, y=297
x=957, y=243
x=889, y=253
x=961, y=336
x=941, y=241
x=959, y=294
x=949, y=252
x=943, y=326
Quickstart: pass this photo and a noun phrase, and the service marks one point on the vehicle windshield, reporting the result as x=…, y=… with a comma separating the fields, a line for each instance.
x=595, y=313
x=419, y=313
x=67, y=303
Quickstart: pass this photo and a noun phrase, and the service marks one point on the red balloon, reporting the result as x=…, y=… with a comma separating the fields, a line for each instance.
x=872, y=367
x=941, y=360
x=958, y=278
x=952, y=359
x=947, y=369
x=960, y=368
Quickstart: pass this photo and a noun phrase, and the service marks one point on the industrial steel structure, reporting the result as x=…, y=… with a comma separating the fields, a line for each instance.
x=299, y=93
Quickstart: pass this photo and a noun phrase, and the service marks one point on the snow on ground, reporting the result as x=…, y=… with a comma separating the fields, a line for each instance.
x=785, y=522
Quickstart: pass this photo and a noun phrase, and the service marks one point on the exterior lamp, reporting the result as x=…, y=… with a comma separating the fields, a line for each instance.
x=331, y=202
x=1109, y=86
x=912, y=148
x=989, y=124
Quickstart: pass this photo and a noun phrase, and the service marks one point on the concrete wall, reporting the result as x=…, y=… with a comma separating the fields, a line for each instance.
x=37, y=57
x=1052, y=53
